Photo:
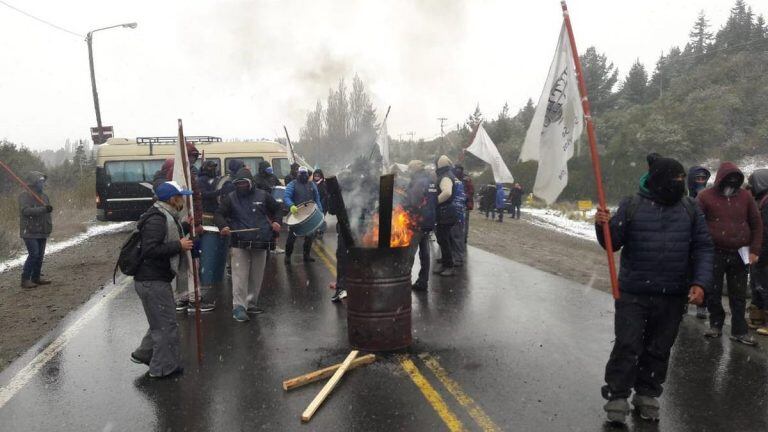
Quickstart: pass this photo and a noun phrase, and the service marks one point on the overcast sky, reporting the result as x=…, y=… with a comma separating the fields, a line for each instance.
x=242, y=69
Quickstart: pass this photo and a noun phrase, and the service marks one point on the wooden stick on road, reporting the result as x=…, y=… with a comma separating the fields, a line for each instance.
x=312, y=408
x=322, y=374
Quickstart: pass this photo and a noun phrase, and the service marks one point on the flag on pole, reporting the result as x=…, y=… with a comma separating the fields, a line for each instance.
x=484, y=148
x=382, y=140
x=180, y=174
x=557, y=124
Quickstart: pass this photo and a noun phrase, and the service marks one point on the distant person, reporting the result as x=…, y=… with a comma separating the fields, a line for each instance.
x=698, y=177
x=469, y=191
x=447, y=216
x=516, y=199
x=213, y=248
x=322, y=188
x=666, y=261
x=300, y=191
x=758, y=183
x=500, y=198
x=249, y=215
x=734, y=223
x=162, y=245
x=35, y=226
x=488, y=201
x=233, y=169
x=421, y=196
x=265, y=179
x=458, y=233
x=293, y=174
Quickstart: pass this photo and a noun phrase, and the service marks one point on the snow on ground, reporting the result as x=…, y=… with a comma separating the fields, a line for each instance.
x=94, y=230
x=557, y=221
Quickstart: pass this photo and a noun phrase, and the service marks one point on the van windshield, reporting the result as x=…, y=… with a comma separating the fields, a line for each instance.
x=251, y=162
x=281, y=167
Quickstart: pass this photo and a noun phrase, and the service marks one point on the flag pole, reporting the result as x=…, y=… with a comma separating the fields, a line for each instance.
x=190, y=260
x=22, y=183
x=593, y=150
x=290, y=145
x=378, y=133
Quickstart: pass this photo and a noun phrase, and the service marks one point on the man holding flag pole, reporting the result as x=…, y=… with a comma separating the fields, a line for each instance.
x=662, y=235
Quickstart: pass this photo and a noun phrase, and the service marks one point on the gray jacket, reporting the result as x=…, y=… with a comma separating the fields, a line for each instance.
x=34, y=219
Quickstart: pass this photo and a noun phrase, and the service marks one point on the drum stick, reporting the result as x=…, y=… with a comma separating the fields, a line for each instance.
x=245, y=230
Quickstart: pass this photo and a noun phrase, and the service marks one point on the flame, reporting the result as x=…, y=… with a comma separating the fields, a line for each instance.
x=402, y=229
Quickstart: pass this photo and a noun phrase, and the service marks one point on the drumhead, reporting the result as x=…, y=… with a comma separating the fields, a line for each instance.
x=305, y=211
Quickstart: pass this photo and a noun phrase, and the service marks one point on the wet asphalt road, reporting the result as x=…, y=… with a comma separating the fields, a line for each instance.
x=501, y=347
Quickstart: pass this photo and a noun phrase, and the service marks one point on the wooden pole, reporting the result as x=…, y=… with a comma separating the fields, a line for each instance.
x=21, y=182
x=329, y=386
x=377, y=135
x=386, y=196
x=290, y=145
x=190, y=260
x=592, y=136
x=324, y=373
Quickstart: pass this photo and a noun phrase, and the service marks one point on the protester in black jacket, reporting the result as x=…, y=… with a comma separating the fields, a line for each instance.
x=667, y=257
x=265, y=179
x=207, y=181
x=421, y=198
x=35, y=226
x=758, y=185
x=162, y=248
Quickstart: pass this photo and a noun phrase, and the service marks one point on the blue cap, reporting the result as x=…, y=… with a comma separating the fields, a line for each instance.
x=169, y=190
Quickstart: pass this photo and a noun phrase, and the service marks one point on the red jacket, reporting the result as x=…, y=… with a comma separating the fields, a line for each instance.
x=734, y=222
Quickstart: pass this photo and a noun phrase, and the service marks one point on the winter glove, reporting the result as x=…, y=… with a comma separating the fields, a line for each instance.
x=294, y=209
x=48, y=208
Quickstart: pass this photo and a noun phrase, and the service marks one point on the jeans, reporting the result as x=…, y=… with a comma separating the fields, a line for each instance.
x=34, y=263
x=458, y=246
x=161, y=342
x=516, y=211
x=424, y=259
x=646, y=328
x=730, y=266
x=443, y=234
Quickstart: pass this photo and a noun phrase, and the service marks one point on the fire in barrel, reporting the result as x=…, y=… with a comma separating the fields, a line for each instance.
x=378, y=277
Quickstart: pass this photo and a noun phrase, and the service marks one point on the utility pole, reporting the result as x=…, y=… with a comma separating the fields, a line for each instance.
x=442, y=134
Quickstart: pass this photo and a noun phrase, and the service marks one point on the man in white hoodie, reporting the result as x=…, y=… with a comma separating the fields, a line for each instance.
x=447, y=215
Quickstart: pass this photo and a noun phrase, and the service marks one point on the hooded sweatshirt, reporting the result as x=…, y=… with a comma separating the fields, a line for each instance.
x=734, y=221
x=694, y=172
x=758, y=181
x=264, y=180
x=34, y=219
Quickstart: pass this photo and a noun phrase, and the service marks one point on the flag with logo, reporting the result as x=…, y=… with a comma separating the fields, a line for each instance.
x=557, y=124
x=484, y=148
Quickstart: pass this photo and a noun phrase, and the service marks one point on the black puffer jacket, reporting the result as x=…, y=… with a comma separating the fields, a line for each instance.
x=663, y=249
x=156, y=252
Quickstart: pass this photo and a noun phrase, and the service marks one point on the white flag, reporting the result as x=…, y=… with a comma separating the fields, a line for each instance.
x=382, y=140
x=556, y=125
x=485, y=149
x=179, y=176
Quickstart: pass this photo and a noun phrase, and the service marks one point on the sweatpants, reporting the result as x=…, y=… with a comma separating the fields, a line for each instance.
x=729, y=266
x=645, y=328
x=424, y=259
x=247, y=275
x=458, y=247
x=291, y=240
x=443, y=234
x=161, y=342
x=34, y=262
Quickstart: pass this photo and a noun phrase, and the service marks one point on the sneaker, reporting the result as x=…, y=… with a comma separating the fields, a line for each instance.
x=182, y=305
x=762, y=331
x=419, y=286
x=40, y=281
x=308, y=258
x=745, y=339
x=239, y=314
x=253, y=310
x=178, y=371
x=448, y=272
x=27, y=284
x=647, y=407
x=204, y=307
x=617, y=410
x=139, y=360
x=438, y=270
x=713, y=333
x=339, y=295
x=701, y=312
x=278, y=251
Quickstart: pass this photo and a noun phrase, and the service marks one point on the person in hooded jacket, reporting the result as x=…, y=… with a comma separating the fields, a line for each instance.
x=249, y=216
x=447, y=215
x=213, y=247
x=421, y=199
x=293, y=174
x=666, y=261
x=516, y=199
x=458, y=245
x=266, y=179
x=226, y=185
x=734, y=223
x=500, y=199
x=698, y=177
x=758, y=183
x=35, y=226
x=488, y=201
x=322, y=188
x=162, y=246
x=300, y=191
x=207, y=180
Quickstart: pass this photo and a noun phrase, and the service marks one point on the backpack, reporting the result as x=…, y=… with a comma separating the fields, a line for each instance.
x=129, y=259
x=687, y=202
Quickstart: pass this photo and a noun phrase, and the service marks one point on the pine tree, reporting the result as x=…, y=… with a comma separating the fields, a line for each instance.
x=634, y=87
x=700, y=35
x=475, y=119
x=600, y=76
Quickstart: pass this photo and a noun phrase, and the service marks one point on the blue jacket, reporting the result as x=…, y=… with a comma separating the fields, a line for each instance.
x=499, y=196
x=664, y=249
x=294, y=195
x=422, y=199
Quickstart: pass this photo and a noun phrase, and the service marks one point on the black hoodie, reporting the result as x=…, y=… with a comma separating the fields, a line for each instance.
x=264, y=180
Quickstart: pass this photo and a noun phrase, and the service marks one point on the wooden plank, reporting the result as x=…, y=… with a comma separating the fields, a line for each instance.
x=322, y=374
x=329, y=386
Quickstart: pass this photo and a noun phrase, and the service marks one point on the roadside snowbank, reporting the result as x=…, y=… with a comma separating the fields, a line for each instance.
x=94, y=230
x=556, y=221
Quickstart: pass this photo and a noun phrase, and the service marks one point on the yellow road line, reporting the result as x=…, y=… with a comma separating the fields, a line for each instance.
x=474, y=410
x=434, y=399
x=322, y=253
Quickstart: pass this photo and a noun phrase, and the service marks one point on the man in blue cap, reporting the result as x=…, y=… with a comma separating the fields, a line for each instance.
x=162, y=246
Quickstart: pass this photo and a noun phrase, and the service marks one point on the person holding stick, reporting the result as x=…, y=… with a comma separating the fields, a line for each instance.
x=35, y=226
x=250, y=215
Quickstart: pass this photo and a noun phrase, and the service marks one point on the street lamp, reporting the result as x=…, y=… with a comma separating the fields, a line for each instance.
x=89, y=39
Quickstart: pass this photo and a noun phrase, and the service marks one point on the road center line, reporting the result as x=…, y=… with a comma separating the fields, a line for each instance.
x=26, y=374
x=429, y=392
x=326, y=258
x=474, y=410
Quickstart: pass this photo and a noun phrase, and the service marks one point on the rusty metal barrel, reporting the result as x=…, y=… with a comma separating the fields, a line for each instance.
x=378, y=284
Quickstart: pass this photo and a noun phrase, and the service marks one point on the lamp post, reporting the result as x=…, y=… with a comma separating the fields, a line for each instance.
x=89, y=41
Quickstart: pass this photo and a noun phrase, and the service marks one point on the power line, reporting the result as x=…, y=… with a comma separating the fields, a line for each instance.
x=40, y=19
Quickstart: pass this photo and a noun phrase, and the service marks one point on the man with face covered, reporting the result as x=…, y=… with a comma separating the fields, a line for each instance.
x=666, y=261
x=734, y=222
x=698, y=177
x=300, y=191
x=35, y=226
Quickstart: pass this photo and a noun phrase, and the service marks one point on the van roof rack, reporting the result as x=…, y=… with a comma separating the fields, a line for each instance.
x=175, y=139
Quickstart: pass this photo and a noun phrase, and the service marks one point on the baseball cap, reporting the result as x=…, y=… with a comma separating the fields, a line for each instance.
x=169, y=190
